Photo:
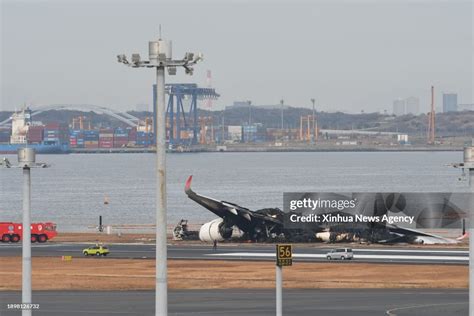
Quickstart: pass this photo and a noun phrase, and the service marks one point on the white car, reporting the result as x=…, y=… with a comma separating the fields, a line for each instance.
x=340, y=254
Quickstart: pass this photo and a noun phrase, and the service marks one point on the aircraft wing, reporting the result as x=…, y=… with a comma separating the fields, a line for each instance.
x=420, y=236
x=239, y=215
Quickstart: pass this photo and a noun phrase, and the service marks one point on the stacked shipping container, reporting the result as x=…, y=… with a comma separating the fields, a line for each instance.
x=35, y=134
x=111, y=138
x=56, y=133
x=254, y=133
x=132, y=136
x=91, y=139
x=249, y=133
x=106, y=138
x=120, y=138
x=76, y=139
x=144, y=139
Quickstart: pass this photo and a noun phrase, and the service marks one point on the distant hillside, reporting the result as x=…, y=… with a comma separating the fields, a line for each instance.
x=448, y=124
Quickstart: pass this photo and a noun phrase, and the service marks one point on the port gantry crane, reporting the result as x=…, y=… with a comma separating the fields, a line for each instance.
x=177, y=118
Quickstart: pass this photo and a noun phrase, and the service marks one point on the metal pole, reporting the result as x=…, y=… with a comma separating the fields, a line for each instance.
x=471, y=245
x=161, y=298
x=160, y=57
x=26, y=252
x=155, y=114
x=279, y=290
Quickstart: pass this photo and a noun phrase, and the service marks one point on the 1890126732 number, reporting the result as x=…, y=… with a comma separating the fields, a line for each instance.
x=23, y=306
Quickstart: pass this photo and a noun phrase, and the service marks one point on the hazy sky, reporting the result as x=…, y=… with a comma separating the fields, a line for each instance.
x=349, y=55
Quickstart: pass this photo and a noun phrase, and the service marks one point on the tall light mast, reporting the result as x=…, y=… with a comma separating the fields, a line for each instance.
x=160, y=57
x=467, y=167
x=26, y=161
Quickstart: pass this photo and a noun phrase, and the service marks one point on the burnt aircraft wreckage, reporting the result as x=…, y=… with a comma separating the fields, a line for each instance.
x=271, y=224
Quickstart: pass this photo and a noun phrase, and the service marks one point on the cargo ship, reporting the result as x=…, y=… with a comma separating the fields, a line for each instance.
x=52, y=138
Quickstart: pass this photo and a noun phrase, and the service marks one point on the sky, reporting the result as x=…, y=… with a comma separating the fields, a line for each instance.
x=348, y=55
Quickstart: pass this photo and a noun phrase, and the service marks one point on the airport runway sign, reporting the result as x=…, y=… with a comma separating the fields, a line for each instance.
x=284, y=255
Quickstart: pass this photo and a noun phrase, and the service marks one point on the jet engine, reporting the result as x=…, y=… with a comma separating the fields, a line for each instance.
x=324, y=236
x=215, y=230
x=334, y=237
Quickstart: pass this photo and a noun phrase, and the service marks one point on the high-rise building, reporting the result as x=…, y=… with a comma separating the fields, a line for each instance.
x=399, y=107
x=450, y=102
x=412, y=105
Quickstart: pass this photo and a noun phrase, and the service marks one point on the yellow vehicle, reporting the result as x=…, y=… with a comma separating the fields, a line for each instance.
x=96, y=250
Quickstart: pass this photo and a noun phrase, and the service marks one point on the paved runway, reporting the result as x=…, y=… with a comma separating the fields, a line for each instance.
x=251, y=252
x=354, y=302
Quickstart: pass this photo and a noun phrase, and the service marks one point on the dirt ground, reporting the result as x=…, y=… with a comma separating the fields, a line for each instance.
x=133, y=274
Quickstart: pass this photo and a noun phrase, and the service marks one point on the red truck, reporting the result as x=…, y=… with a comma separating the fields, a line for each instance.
x=40, y=232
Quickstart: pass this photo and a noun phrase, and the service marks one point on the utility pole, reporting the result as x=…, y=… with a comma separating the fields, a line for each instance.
x=468, y=166
x=160, y=57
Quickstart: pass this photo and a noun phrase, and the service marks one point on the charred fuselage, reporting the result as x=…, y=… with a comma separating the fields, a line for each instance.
x=268, y=224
